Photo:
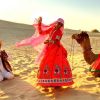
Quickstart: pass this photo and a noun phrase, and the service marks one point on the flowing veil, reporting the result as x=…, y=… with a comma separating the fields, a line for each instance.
x=37, y=40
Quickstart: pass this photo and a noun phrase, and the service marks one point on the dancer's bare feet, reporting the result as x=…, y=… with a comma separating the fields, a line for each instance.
x=45, y=89
x=57, y=87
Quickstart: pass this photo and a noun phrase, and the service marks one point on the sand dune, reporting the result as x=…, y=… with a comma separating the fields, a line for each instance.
x=23, y=86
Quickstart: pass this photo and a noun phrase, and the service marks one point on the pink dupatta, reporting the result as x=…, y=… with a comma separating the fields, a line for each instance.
x=38, y=39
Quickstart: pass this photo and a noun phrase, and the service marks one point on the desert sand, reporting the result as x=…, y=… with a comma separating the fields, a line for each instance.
x=23, y=86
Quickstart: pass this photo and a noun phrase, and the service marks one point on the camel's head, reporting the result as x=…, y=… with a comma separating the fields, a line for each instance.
x=82, y=37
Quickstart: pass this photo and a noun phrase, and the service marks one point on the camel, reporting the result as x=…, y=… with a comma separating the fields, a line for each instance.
x=91, y=58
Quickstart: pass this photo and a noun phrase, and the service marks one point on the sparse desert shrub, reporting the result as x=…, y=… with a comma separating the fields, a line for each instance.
x=95, y=31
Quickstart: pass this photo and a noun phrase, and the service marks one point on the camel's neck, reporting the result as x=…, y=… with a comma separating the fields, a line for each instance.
x=89, y=56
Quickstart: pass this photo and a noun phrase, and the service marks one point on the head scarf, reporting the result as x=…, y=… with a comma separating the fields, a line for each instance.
x=60, y=20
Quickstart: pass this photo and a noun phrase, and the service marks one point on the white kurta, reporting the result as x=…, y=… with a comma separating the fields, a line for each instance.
x=4, y=73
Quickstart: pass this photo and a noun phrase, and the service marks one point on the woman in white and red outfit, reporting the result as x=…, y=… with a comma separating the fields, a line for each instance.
x=5, y=68
x=54, y=69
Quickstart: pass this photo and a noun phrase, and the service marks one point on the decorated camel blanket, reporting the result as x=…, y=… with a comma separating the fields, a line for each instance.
x=95, y=67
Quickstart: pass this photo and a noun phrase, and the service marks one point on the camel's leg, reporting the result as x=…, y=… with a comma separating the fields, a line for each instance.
x=96, y=74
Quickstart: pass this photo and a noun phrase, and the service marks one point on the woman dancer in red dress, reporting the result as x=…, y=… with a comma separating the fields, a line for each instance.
x=54, y=69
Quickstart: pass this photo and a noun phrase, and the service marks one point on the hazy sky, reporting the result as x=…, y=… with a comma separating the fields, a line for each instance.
x=78, y=14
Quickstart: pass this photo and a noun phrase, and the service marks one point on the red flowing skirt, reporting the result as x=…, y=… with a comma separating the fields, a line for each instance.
x=54, y=68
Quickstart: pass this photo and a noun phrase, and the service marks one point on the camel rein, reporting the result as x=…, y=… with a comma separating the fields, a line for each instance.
x=72, y=53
